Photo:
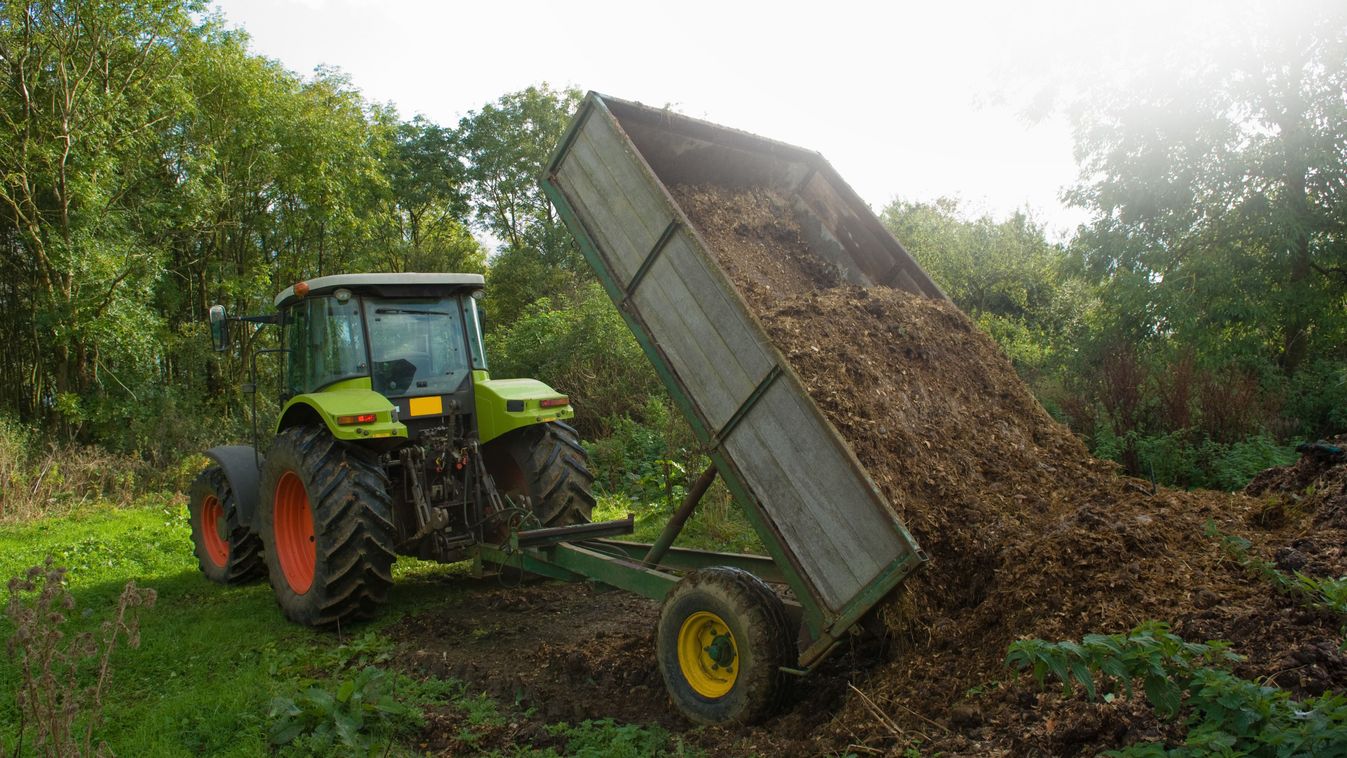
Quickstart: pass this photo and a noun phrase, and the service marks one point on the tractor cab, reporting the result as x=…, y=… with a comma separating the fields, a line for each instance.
x=414, y=339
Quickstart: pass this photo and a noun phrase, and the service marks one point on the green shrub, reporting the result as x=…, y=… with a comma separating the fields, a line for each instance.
x=1189, y=459
x=1230, y=467
x=1317, y=592
x=357, y=717
x=583, y=348
x=1225, y=715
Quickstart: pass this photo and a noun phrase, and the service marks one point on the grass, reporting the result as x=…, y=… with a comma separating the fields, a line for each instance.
x=213, y=659
x=717, y=523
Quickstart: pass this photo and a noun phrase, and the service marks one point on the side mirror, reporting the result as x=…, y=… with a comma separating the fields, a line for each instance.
x=219, y=328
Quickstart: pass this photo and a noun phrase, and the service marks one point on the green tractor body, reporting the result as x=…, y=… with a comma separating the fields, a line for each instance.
x=393, y=439
x=404, y=348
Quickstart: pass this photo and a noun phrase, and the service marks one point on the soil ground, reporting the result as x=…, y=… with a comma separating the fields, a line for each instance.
x=570, y=652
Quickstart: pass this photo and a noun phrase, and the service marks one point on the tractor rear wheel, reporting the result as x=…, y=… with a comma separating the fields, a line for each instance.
x=720, y=645
x=226, y=549
x=545, y=463
x=327, y=524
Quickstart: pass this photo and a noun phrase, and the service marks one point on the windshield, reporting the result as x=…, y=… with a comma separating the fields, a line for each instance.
x=417, y=345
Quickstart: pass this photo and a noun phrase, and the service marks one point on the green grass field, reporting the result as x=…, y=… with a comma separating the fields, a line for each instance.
x=212, y=659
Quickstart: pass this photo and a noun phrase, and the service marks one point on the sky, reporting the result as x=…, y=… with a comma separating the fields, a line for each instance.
x=907, y=100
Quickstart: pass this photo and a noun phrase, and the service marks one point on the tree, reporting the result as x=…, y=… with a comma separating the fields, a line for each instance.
x=89, y=90
x=1005, y=274
x=427, y=200
x=505, y=147
x=1220, y=218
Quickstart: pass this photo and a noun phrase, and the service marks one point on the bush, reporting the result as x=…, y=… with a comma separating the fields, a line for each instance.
x=40, y=480
x=1189, y=459
x=361, y=714
x=1225, y=715
x=646, y=456
x=583, y=348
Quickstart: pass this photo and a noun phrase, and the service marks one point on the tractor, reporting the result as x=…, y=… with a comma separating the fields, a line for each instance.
x=393, y=439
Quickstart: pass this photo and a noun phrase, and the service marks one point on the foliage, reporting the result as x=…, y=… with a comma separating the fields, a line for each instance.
x=1003, y=268
x=1163, y=415
x=582, y=347
x=1226, y=715
x=605, y=738
x=354, y=717
x=1214, y=194
x=42, y=478
x=1190, y=459
x=505, y=146
x=1196, y=323
x=151, y=166
x=53, y=700
x=1317, y=592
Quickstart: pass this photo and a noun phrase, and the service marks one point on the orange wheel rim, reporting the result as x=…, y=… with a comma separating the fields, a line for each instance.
x=211, y=516
x=293, y=525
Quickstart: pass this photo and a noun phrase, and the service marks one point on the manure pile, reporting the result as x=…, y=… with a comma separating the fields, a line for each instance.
x=1029, y=536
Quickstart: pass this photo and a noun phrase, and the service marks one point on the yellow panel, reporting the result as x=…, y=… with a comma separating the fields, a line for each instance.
x=425, y=406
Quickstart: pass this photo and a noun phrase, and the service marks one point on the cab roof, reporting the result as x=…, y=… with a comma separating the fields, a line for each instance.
x=391, y=285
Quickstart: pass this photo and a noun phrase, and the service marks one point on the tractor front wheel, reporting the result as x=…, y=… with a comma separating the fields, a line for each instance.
x=226, y=549
x=327, y=524
x=720, y=645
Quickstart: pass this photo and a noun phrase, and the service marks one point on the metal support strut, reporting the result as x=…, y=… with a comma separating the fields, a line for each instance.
x=680, y=517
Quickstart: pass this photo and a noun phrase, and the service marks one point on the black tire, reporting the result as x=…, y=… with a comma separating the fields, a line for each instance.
x=345, y=493
x=545, y=463
x=227, y=551
x=744, y=687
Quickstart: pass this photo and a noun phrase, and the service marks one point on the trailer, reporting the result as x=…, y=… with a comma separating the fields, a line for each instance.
x=727, y=638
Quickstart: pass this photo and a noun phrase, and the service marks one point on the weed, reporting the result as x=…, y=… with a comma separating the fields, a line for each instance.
x=53, y=702
x=1227, y=715
x=605, y=738
x=352, y=718
x=300, y=661
x=1317, y=592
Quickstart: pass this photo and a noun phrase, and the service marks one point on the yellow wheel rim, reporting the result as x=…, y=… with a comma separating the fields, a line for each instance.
x=708, y=654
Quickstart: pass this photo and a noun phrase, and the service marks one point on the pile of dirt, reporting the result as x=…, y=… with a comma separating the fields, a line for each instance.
x=1029, y=536
x=1317, y=484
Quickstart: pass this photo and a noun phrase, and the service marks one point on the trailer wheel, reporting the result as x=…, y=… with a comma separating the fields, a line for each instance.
x=226, y=549
x=545, y=463
x=327, y=524
x=721, y=642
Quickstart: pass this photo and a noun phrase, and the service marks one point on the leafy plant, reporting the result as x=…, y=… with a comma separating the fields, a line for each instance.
x=1318, y=592
x=605, y=738
x=1226, y=715
x=353, y=717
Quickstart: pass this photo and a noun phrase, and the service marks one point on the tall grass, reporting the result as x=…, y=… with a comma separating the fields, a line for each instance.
x=40, y=478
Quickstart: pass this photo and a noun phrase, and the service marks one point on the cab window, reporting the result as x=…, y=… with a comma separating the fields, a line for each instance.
x=326, y=343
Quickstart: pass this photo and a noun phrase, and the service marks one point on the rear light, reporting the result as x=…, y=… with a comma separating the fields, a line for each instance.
x=363, y=418
x=554, y=402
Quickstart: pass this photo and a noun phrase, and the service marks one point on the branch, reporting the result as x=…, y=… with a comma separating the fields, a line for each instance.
x=1340, y=272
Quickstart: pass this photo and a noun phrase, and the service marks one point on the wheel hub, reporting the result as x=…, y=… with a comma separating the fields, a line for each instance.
x=721, y=650
x=706, y=654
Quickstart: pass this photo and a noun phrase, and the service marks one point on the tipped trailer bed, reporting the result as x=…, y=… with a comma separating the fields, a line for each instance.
x=831, y=535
